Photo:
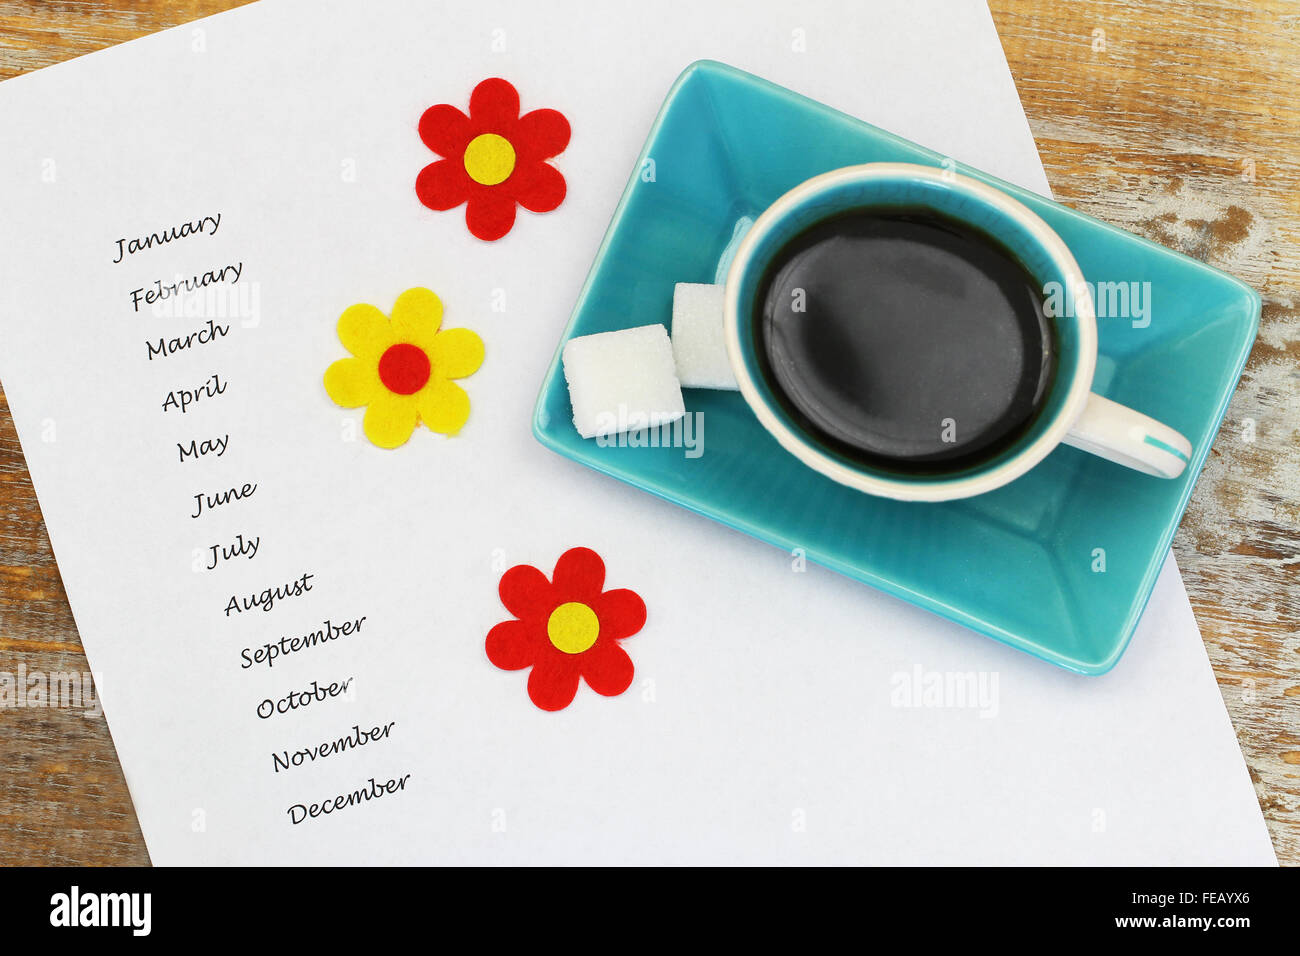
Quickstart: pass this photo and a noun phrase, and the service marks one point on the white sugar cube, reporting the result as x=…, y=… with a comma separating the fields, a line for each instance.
x=699, y=347
x=622, y=381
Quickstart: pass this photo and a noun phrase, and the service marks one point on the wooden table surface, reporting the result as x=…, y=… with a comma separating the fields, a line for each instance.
x=1177, y=120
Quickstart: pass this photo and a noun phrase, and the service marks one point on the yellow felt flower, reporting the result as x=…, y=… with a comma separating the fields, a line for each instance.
x=402, y=367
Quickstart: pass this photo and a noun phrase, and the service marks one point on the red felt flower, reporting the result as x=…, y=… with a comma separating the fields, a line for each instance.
x=494, y=159
x=567, y=627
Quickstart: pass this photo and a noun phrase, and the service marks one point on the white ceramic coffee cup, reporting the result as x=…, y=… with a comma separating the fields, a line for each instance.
x=1072, y=414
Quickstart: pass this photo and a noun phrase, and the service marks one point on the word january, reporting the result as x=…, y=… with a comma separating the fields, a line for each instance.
x=161, y=291
x=129, y=247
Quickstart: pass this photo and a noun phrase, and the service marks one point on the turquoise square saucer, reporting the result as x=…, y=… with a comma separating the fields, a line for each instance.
x=1059, y=563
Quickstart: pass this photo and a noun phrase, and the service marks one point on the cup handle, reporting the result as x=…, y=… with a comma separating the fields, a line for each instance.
x=1119, y=434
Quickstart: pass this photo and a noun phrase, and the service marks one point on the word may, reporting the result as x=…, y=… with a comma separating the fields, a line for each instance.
x=1111, y=300
x=357, y=738
x=267, y=653
x=59, y=689
x=161, y=293
x=183, y=398
x=631, y=430
x=201, y=336
x=129, y=247
x=266, y=600
x=372, y=791
x=946, y=689
x=237, y=550
x=102, y=909
x=222, y=498
x=297, y=699
x=197, y=449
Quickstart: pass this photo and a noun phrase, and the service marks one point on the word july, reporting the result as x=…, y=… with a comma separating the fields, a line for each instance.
x=129, y=247
x=239, y=549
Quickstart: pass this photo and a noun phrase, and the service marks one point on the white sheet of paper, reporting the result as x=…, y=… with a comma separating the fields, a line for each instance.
x=765, y=721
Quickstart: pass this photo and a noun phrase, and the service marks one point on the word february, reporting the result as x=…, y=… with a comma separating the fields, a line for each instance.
x=162, y=291
x=128, y=247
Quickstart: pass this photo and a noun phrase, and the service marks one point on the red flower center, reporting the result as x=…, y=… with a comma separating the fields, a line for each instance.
x=404, y=368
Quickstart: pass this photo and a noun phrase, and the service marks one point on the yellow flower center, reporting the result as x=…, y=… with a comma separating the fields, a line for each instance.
x=573, y=627
x=489, y=159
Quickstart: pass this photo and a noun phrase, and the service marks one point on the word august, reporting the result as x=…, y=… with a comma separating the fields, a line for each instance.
x=128, y=247
x=268, y=598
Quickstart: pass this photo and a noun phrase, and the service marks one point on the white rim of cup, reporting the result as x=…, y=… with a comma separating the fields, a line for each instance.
x=905, y=489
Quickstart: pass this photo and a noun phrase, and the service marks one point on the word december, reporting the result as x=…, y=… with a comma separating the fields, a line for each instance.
x=162, y=292
x=129, y=247
x=267, y=653
x=357, y=738
x=266, y=600
x=372, y=791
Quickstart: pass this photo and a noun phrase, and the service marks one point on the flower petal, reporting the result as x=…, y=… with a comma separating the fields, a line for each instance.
x=512, y=645
x=390, y=419
x=553, y=681
x=490, y=214
x=416, y=317
x=351, y=382
x=607, y=669
x=541, y=134
x=494, y=105
x=456, y=353
x=445, y=130
x=621, y=613
x=527, y=594
x=444, y=406
x=443, y=185
x=538, y=187
x=364, y=331
x=579, y=575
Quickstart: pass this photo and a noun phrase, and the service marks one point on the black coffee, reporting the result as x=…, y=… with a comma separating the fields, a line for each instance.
x=907, y=341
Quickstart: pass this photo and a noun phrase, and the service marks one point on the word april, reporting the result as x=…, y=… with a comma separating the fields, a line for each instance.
x=183, y=398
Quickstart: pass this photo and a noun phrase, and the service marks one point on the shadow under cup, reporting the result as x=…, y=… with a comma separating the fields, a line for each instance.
x=1027, y=240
